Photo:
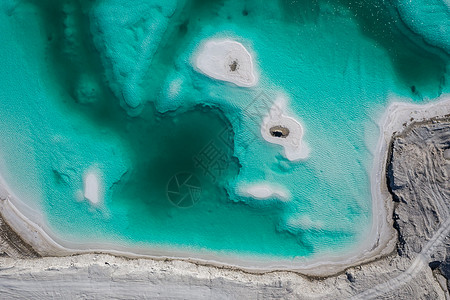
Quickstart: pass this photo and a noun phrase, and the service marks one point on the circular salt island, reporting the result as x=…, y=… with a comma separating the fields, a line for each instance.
x=226, y=60
x=277, y=128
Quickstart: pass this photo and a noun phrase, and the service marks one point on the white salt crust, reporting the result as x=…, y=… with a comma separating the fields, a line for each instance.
x=226, y=60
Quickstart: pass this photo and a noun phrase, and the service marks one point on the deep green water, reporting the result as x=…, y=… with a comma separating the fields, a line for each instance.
x=108, y=85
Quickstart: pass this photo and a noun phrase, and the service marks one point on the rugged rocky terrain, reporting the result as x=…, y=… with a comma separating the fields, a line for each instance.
x=418, y=172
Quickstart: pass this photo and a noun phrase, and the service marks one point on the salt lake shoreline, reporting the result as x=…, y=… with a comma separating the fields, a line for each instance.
x=382, y=235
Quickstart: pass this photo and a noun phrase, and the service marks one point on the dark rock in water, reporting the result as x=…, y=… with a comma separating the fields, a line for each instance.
x=234, y=66
x=279, y=131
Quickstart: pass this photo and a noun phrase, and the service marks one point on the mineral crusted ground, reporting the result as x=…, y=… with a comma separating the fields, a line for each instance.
x=418, y=174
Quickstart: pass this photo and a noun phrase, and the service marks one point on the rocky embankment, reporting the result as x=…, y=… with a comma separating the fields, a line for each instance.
x=418, y=174
x=419, y=180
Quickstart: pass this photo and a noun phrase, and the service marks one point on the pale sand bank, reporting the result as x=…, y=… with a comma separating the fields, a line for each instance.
x=264, y=191
x=380, y=241
x=226, y=60
x=92, y=187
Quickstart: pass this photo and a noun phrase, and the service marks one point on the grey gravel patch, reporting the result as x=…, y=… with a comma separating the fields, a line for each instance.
x=447, y=153
x=12, y=245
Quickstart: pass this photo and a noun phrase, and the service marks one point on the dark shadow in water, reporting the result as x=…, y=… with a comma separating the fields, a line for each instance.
x=190, y=143
x=377, y=20
x=193, y=144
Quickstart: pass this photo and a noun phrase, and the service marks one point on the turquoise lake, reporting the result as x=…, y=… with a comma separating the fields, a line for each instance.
x=109, y=86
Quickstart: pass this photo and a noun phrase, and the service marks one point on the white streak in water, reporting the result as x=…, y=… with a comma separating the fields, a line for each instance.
x=264, y=191
x=92, y=187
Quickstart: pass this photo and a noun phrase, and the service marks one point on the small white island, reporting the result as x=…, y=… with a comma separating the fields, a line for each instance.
x=278, y=128
x=226, y=60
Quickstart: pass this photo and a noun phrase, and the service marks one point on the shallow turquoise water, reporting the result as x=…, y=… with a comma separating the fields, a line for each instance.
x=108, y=85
